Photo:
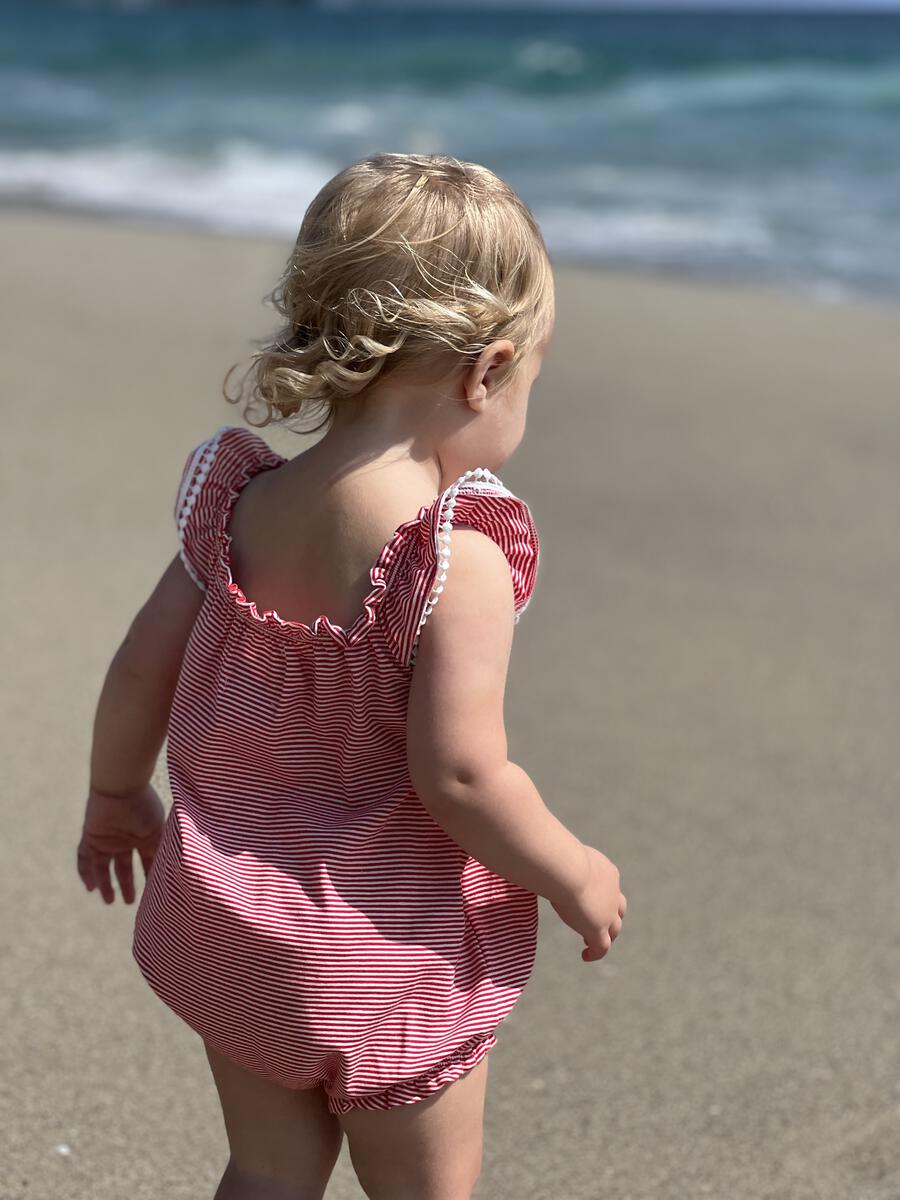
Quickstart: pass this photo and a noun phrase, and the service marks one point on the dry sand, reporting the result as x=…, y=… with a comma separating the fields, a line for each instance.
x=705, y=687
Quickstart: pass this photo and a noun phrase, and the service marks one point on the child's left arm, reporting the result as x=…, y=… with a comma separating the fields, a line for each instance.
x=123, y=811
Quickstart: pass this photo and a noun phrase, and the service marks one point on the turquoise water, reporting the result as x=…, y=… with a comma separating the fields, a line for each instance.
x=757, y=146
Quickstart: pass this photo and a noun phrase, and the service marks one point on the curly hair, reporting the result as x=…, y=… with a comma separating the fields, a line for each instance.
x=403, y=262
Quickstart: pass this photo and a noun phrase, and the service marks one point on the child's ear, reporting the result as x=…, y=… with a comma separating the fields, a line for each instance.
x=479, y=376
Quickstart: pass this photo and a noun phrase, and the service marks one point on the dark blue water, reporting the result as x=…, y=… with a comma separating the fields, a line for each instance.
x=759, y=146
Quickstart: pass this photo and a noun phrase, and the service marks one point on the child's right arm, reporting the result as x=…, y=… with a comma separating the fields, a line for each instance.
x=457, y=750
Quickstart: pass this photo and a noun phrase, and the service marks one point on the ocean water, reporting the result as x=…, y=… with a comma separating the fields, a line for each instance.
x=757, y=146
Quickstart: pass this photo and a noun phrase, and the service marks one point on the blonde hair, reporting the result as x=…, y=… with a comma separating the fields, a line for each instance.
x=402, y=261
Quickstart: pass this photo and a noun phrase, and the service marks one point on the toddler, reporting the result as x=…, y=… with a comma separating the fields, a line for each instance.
x=342, y=901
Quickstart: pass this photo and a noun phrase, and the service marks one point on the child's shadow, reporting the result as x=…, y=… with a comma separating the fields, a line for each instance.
x=336, y=885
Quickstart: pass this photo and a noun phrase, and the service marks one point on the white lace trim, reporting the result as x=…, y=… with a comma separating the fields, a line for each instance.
x=194, y=478
x=479, y=478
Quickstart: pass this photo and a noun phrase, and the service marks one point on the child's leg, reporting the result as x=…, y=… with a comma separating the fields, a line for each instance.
x=429, y=1150
x=284, y=1143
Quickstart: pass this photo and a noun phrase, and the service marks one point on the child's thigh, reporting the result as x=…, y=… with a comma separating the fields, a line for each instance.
x=276, y=1133
x=429, y=1150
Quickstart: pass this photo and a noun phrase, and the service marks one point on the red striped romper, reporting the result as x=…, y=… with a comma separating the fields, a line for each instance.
x=304, y=913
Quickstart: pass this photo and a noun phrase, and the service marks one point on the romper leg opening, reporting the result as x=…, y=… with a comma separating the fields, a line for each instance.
x=412, y=1091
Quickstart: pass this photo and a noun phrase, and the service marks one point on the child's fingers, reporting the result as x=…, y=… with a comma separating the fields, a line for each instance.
x=595, y=950
x=101, y=875
x=147, y=848
x=86, y=867
x=146, y=859
x=125, y=875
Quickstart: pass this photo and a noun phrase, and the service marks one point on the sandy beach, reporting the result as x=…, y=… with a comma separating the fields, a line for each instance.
x=705, y=686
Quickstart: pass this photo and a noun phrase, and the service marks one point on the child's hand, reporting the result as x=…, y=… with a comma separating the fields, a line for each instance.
x=597, y=911
x=113, y=827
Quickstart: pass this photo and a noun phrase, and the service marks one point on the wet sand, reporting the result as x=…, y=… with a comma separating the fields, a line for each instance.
x=705, y=686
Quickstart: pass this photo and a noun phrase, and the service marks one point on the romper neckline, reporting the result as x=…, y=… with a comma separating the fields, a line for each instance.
x=269, y=619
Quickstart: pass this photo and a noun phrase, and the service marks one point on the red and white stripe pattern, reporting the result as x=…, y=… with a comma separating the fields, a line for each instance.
x=304, y=913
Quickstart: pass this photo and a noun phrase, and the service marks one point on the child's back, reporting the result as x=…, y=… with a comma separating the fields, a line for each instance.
x=344, y=938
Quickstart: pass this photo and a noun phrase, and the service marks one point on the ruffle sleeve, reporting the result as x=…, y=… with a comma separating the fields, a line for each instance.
x=211, y=471
x=478, y=500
